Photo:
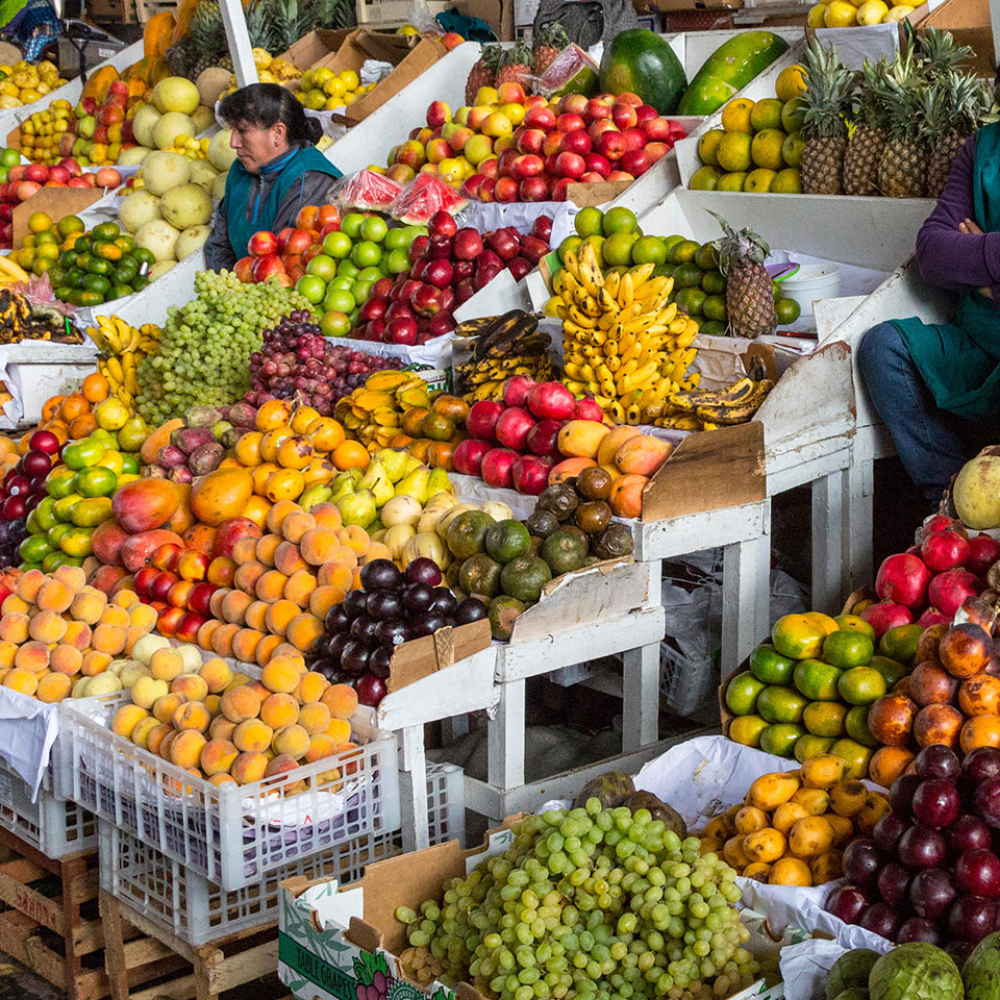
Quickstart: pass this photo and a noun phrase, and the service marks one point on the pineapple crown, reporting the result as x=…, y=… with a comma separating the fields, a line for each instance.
x=871, y=94
x=937, y=52
x=966, y=101
x=736, y=248
x=908, y=97
x=828, y=93
x=493, y=55
x=519, y=55
x=553, y=35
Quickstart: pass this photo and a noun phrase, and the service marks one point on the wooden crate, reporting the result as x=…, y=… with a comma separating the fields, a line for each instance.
x=50, y=923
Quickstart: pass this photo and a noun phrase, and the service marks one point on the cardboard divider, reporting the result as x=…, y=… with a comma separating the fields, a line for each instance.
x=56, y=203
x=312, y=49
x=414, y=660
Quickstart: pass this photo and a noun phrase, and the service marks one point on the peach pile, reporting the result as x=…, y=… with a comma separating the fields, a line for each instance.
x=55, y=632
x=227, y=728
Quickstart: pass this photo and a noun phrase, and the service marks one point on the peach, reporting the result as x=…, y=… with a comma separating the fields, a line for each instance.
x=221, y=779
x=247, y=575
x=74, y=577
x=256, y=612
x=140, y=734
x=155, y=736
x=142, y=616
x=212, y=704
x=282, y=674
x=217, y=757
x=339, y=731
x=23, y=681
x=221, y=728
x=165, y=664
x=146, y=691
x=240, y=704
x=126, y=599
x=341, y=699
x=216, y=601
x=94, y=662
x=311, y=687
x=88, y=605
x=222, y=639
x=165, y=706
x=245, y=644
x=280, y=764
x=238, y=681
x=336, y=574
x=192, y=715
x=29, y=585
x=8, y=650
x=33, y=656
x=54, y=595
x=299, y=587
x=107, y=578
x=216, y=674
x=47, y=626
x=265, y=649
x=287, y=649
x=279, y=615
x=314, y=717
x=234, y=606
x=245, y=550
x=279, y=710
x=65, y=659
x=327, y=515
x=266, y=548
x=109, y=639
x=12, y=603
x=287, y=559
x=205, y=632
x=163, y=749
x=14, y=627
x=259, y=691
x=252, y=736
x=126, y=719
x=53, y=687
x=356, y=539
x=221, y=571
x=114, y=615
x=324, y=598
x=271, y=586
x=292, y=740
x=78, y=634
x=277, y=514
x=377, y=551
x=320, y=745
x=303, y=631
x=296, y=525
x=318, y=545
x=191, y=686
x=186, y=748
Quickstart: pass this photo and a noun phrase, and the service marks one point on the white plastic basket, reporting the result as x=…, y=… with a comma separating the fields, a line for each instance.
x=230, y=834
x=54, y=828
x=198, y=911
x=445, y=803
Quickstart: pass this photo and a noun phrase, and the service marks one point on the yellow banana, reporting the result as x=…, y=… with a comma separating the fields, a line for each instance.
x=650, y=289
x=611, y=282
x=625, y=291
x=641, y=273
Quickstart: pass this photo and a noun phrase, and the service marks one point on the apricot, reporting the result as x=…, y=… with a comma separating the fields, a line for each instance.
x=356, y=539
x=166, y=664
x=980, y=695
x=266, y=548
x=140, y=735
x=299, y=587
x=156, y=735
x=320, y=746
x=255, y=615
x=279, y=710
x=109, y=638
x=191, y=686
x=296, y=524
x=245, y=644
x=113, y=615
x=311, y=687
x=217, y=600
x=47, y=627
x=265, y=649
x=126, y=719
x=280, y=764
x=221, y=779
x=626, y=496
x=287, y=559
x=29, y=585
x=12, y=603
x=303, y=631
x=321, y=599
x=270, y=586
x=292, y=740
x=33, y=656
x=126, y=599
x=94, y=662
x=88, y=605
x=14, y=627
x=222, y=639
x=338, y=575
x=260, y=692
x=146, y=691
x=74, y=577
x=186, y=748
x=166, y=705
x=281, y=674
x=164, y=747
x=192, y=715
x=217, y=757
x=65, y=659
x=7, y=652
x=212, y=704
x=216, y=674
x=142, y=616
x=22, y=681
x=53, y=687
x=980, y=731
x=318, y=545
x=327, y=515
x=287, y=649
x=247, y=575
x=206, y=631
x=252, y=736
x=221, y=728
x=245, y=550
x=54, y=595
x=341, y=699
x=314, y=717
x=339, y=730
x=78, y=634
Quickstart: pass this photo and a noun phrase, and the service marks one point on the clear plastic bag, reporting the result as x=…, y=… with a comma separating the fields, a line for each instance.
x=422, y=197
x=368, y=191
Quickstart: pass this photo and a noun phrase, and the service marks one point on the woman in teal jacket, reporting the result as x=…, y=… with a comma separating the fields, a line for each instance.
x=278, y=170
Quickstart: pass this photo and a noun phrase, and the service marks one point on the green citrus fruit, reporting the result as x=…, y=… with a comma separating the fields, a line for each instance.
x=780, y=704
x=769, y=666
x=780, y=739
x=588, y=221
x=817, y=680
x=856, y=725
x=798, y=636
x=742, y=692
x=619, y=220
x=856, y=755
x=811, y=746
x=900, y=643
x=747, y=729
x=825, y=718
x=854, y=623
x=848, y=649
x=861, y=685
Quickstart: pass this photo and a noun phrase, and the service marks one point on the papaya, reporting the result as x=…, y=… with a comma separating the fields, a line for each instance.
x=729, y=69
x=158, y=34
x=98, y=83
x=643, y=63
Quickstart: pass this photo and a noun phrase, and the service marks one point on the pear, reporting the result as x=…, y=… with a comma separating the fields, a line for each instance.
x=438, y=482
x=132, y=433
x=411, y=465
x=402, y=509
x=415, y=485
x=357, y=508
x=318, y=493
x=394, y=462
x=345, y=484
x=377, y=480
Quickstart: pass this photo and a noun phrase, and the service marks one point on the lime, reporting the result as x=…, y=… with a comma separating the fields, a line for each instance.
x=817, y=680
x=713, y=283
x=900, y=643
x=742, y=692
x=746, y=730
x=706, y=257
x=780, y=739
x=714, y=307
x=374, y=228
x=690, y=300
x=649, y=250
x=708, y=146
x=792, y=115
x=732, y=181
x=825, y=718
x=619, y=220
x=734, y=151
x=712, y=328
x=769, y=666
x=780, y=704
x=617, y=249
x=687, y=276
x=766, y=114
x=570, y=243
x=812, y=746
x=351, y=224
x=683, y=252
x=856, y=725
x=588, y=222
x=891, y=670
x=705, y=179
x=848, y=649
x=787, y=310
x=861, y=685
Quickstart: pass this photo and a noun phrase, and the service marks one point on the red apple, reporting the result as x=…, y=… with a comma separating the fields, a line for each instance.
x=401, y=330
x=540, y=117
x=262, y=243
x=533, y=189
x=442, y=224
x=577, y=142
x=656, y=129
x=570, y=123
x=624, y=115
x=439, y=273
x=635, y=162
x=570, y=165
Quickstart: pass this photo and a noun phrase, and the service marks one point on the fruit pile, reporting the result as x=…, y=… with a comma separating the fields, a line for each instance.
x=691, y=938
x=73, y=417
x=24, y=82
x=929, y=872
x=321, y=89
x=205, y=345
x=512, y=147
x=122, y=348
x=196, y=447
x=390, y=607
x=577, y=506
x=231, y=730
x=446, y=268
x=171, y=114
x=22, y=490
x=132, y=670
x=57, y=626
x=812, y=690
x=297, y=361
x=21, y=319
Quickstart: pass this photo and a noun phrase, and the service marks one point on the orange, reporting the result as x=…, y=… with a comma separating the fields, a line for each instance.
x=83, y=426
x=95, y=387
x=350, y=455
x=74, y=406
x=798, y=637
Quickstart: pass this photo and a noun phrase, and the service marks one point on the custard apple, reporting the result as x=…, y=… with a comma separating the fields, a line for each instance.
x=981, y=971
x=916, y=971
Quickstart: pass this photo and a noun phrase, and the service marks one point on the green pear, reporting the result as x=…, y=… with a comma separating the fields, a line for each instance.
x=319, y=493
x=345, y=484
x=438, y=482
x=415, y=485
x=132, y=434
x=376, y=479
x=357, y=508
x=394, y=462
x=412, y=464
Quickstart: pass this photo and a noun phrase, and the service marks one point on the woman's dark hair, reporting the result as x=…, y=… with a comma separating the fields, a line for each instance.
x=263, y=105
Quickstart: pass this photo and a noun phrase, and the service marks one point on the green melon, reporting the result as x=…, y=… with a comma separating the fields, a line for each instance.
x=643, y=63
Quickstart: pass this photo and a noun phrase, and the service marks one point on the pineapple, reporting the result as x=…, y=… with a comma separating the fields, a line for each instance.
x=827, y=99
x=864, y=148
x=516, y=66
x=749, y=293
x=483, y=72
x=954, y=114
x=203, y=43
x=552, y=39
x=937, y=52
x=903, y=167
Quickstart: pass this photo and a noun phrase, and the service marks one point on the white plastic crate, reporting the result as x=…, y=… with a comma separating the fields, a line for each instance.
x=229, y=834
x=198, y=911
x=445, y=803
x=54, y=828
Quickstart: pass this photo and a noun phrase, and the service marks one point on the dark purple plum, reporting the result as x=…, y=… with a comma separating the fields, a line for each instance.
x=847, y=903
x=971, y=918
x=363, y=629
x=881, y=919
x=417, y=598
x=902, y=791
x=982, y=763
x=986, y=802
x=978, y=872
x=968, y=833
x=470, y=610
x=355, y=603
x=371, y=690
x=392, y=631
x=922, y=847
x=378, y=662
x=423, y=570
x=383, y=604
x=337, y=643
x=862, y=861
x=935, y=803
x=337, y=619
x=888, y=830
x=938, y=761
x=959, y=951
x=355, y=657
x=918, y=929
x=381, y=574
x=444, y=602
x=932, y=893
x=894, y=883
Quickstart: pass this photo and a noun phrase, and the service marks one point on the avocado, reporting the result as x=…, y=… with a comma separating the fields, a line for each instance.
x=524, y=578
x=564, y=551
x=480, y=575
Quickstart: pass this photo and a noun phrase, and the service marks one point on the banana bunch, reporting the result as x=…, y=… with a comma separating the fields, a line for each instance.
x=374, y=411
x=623, y=341
x=500, y=348
x=707, y=410
x=122, y=348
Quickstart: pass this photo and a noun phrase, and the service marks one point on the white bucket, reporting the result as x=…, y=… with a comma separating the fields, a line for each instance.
x=812, y=282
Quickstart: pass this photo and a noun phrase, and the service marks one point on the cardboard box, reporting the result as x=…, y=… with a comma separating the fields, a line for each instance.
x=313, y=48
x=54, y=202
x=969, y=22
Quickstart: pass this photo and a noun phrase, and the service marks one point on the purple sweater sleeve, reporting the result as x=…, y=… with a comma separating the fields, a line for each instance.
x=951, y=259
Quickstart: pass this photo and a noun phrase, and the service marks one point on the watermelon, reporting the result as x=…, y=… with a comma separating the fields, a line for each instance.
x=643, y=63
x=369, y=191
x=571, y=72
x=729, y=69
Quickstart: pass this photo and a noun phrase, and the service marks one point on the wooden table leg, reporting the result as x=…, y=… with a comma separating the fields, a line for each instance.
x=114, y=947
x=413, y=789
x=506, y=739
x=641, y=701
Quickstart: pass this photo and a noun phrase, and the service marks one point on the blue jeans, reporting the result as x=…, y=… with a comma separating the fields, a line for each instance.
x=931, y=443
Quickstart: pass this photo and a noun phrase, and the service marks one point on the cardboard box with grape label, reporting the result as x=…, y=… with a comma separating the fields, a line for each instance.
x=343, y=944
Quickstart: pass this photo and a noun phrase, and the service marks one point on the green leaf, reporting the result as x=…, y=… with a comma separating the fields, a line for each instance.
x=8, y=8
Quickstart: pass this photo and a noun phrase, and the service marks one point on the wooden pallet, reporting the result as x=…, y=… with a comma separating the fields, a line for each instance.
x=229, y=963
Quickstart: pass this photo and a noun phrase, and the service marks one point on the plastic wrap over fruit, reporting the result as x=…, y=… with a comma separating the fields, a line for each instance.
x=368, y=191
x=422, y=198
x=571, y=72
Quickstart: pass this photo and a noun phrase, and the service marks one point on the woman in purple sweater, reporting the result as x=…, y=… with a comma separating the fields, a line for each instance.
x=936, y=385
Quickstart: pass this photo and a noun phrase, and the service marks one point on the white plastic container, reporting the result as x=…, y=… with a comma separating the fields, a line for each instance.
x=812, y=282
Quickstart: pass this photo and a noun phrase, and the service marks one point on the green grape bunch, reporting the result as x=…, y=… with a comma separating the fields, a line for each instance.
x=587, y=904
x=205, y=346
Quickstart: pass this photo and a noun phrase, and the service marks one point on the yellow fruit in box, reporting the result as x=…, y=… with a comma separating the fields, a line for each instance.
x=840, y=14
x=816, y=18
x=872, y=12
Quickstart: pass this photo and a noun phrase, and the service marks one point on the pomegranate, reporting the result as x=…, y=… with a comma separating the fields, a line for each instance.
x=542, y=438
x=482, y=419
x=588, y=409
x=984, y=551
x=468, y=456
x=886, y=615
x=496, y=466
x=513, y=426
x=516, y=389
x=551, y=401
x=932, y=616
x=903, y=579
x=948, y=590
x=941, y=522
x=530, y=474
x=944, y=550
